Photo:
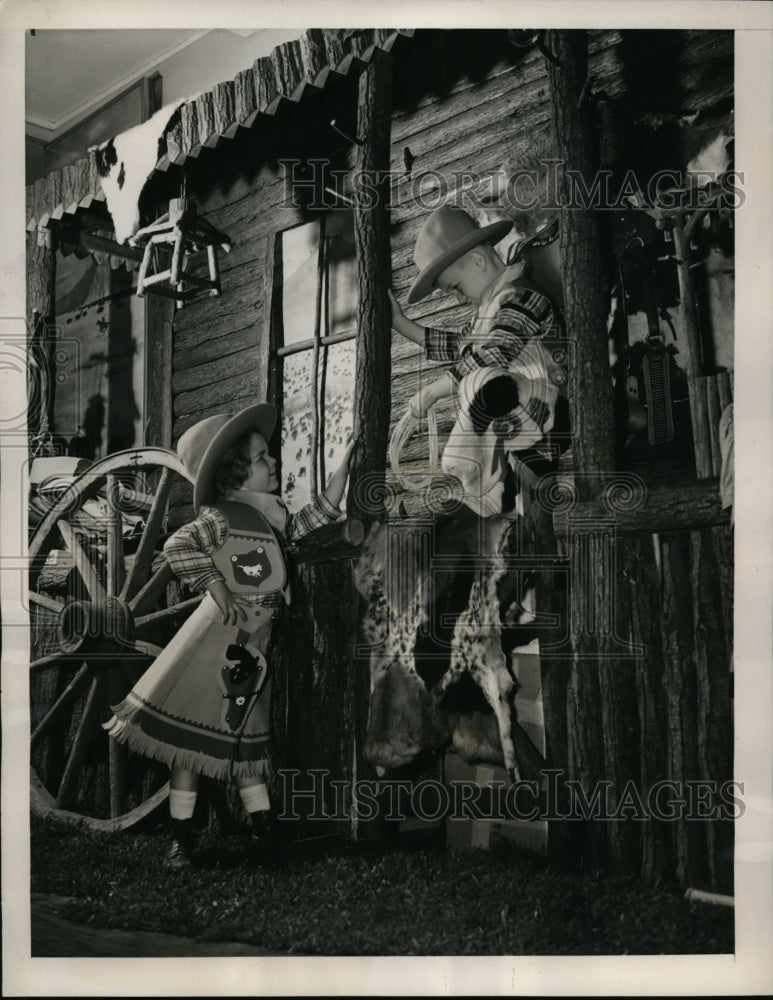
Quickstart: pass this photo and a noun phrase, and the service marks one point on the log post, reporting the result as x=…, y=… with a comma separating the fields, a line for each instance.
x=41, y=316
x=374, y=341
x=590, y=384
x=159, y=314
x=603, y=726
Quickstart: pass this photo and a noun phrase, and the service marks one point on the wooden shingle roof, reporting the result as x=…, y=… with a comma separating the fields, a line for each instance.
x=293, y=71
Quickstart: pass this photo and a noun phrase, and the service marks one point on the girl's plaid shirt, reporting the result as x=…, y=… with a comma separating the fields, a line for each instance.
x=188, y=549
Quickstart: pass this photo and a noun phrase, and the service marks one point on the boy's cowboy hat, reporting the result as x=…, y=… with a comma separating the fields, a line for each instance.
x=446, y=235
x=202, y=446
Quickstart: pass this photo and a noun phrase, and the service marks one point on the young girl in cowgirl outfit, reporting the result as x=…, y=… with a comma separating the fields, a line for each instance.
x=202, y=707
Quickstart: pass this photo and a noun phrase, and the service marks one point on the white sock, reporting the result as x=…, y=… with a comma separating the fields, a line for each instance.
x=181, y=803
x=255, y=797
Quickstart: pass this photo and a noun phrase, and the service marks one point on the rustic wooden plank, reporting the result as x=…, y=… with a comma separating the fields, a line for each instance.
x=160, y=346
x=54, y=190
x=229, y=342
x=205, y=116
x=29, y=204
x=224, y=106
x=335, y=48
x=331, y=537
x=41, y=314
x=714, y=709
x=265, y=81
x=380, y=36
x=175, y=142
x=288, y=66
x=313, y=52
x=644, y=615
x=681, y=685
x=219, y=395
x=71, y=175
x=271, y=314
x=722, y=538
x=515, y=92
x=319, y=696
x=725, y=390
x=590, y=388
x=190, y=127
x=601, y=712
x=555, y=668
x=371, y=232
x=692, y=355
x=245, y=99
x=99, y=243
x=214, y=369
x=40, y=203
x=239, y=306
x=699, y=415
x=713, y=413
x=666, y=508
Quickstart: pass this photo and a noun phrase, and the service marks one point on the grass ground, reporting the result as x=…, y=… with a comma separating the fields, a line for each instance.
x=333, y=897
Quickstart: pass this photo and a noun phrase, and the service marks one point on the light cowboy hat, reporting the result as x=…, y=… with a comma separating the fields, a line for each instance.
x=202, y=446
x=446, y=235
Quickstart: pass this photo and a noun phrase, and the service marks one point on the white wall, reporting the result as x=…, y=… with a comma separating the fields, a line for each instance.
x=216, y=57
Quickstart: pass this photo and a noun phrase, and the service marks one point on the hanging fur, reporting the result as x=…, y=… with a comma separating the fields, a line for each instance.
x=439, y=675
x=126, y=161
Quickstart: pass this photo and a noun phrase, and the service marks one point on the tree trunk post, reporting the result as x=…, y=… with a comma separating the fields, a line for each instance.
x=601, y=705
x=41, y=316
x=374, y=274
x=590, y=385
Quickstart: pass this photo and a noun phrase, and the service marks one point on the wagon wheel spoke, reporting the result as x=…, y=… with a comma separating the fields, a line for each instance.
x=146, y=648
x=152, y=590
x=86, y=729
x=116, y=568
x=52, y=660
x=65, y=699
x=84, y=566
x=45, y=601
x=166, y=615
x=117, y=752
x=143, y=557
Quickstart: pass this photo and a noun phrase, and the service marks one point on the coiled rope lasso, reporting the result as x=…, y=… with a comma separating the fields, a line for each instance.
x=404, y=428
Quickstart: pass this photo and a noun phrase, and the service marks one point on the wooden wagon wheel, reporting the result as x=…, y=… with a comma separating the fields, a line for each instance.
x=103, y=604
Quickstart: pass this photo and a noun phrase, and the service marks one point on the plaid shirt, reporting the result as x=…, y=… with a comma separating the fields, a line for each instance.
x=518, y=330
x=188, y=550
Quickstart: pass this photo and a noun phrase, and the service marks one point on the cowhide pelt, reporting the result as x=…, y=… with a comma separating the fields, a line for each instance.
x=125, y=162
x=439, y=675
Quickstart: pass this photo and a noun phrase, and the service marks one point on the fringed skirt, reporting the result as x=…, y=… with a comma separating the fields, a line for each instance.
x=204, y=702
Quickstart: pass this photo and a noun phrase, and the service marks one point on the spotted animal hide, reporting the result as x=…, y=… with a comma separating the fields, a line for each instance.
x=436, y=600
x=125, y=163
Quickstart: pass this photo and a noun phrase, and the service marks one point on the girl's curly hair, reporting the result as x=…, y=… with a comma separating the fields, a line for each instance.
x=234, y=466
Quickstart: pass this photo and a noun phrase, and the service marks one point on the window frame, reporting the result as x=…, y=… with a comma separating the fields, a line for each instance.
x=278, y=351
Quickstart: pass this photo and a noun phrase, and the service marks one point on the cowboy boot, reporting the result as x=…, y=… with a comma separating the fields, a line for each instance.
x=180, y=852
x=264, y=829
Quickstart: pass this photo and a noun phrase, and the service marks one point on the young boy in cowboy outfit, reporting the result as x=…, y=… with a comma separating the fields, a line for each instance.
x=509, y=367
x=202, y=707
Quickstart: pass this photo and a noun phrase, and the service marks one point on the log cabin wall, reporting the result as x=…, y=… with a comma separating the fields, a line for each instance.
x=222, y=360
x=480, y=121
x=470, y=101
x=498, y=113
x=670, y=590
